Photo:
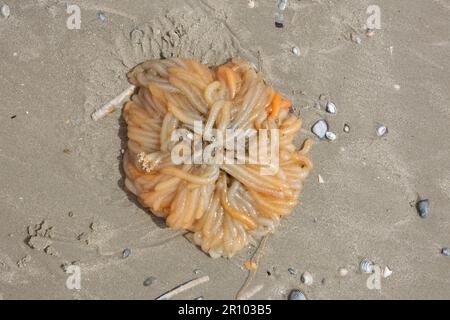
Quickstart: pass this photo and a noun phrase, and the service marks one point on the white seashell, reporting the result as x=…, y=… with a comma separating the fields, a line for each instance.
x=319, y=177
x=307, y=278
x=296, y=51
x=387, y=272
x=381, y=131
x=331, y=136
x=397, y=87
x=346, y=128
x=251, y=4
x=331, y=108
x=5, y=11
x=366, y=266
x=320, y=128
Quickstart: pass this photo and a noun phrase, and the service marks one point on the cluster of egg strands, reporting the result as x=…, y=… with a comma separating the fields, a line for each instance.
x=224, y=206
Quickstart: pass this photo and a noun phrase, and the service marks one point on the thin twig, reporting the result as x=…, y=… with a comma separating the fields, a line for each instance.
x=243, y=293
x=183, y=287
x=111, y=106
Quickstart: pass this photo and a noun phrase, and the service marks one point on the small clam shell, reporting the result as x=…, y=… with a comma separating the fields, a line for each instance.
x=331, y=136
x=366, y=266
x=297, y=295
x=5, y=11
x=320, y=128
x=343, y=272
x=282, y=4
x=307, y=278
x=381, y=131
x=331, y=108
x=387, y=272
x=423, y=207
x=346, y=128
x=296, y=51
x=126, y=253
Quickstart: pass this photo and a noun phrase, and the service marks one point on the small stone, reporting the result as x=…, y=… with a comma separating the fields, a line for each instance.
x=149, y=281
x=423, y=208
x=381, y=130
x=331, y=136
x=343, y=272
x=297, y=295
x=331, y=108
x=292, y=271
x=126, y=253
x=445, y=252
x=70, y=214
x=5, y=11
x=346, y=128
x=101, y=16
x=320, y=128
x=296, y=51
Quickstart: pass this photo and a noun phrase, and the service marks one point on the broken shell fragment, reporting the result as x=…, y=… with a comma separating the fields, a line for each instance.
x=343, y=272
x=387, y=272
x=297, y=295
x=282, y=4
x=445, y=252
x=307, y=278
x=346, y=128
x=381, y=131
x=296, y=51
x=366, y=266
x=331, y=136
x=320, y=128
x=423, y=207
x=331, y=108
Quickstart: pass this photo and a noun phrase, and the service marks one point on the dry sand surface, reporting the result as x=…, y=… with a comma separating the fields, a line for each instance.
x=62, y=197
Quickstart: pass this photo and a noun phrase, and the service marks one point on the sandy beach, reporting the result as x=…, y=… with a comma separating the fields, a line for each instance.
x=62, y=199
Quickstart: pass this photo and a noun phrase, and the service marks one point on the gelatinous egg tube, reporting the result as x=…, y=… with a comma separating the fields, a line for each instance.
x=228, y=199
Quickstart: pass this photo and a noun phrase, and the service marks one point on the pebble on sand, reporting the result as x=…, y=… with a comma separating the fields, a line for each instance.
x=445, y=252
x=297, y=295
x=101, y=16
x=126, y=253
x=423, y=208
x=320, y=128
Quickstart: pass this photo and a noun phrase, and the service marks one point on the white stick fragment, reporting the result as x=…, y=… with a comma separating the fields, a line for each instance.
x=183, y=287
x=111, y=106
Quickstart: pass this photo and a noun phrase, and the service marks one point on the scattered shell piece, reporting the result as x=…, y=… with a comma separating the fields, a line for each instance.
x=296, y=295
x=101, y=16
x=292, y=271
x=331, y=136
x=445, y=252
x=197, y=271
x=183, y=287
x=331, y=108
x=320, y=128
x=307, y=278
x=250, y=265
x=343, y=272
x=279, y=20
x=355, y=38
x=5, y=11
x=282, y=4
x=423, y=208
x=397, y=87
x=110, y=107
x=346, y=128
x=126, y=253
x=387, y=272
x=381, y=130
x=149, y=281
x=296, y=51
x=366, y=266
x=200, y=298
x=320, y=179
x=251, y=4
x=370, y=33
